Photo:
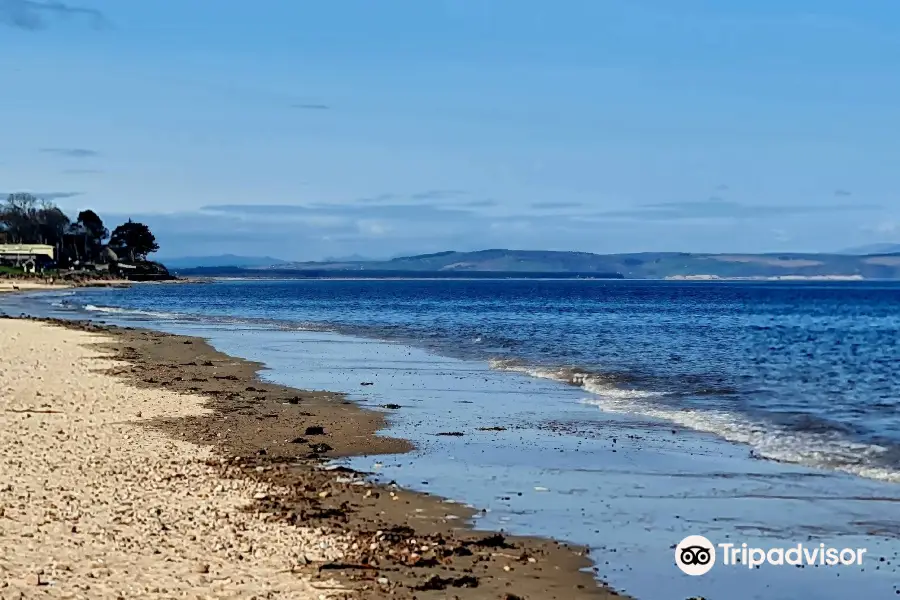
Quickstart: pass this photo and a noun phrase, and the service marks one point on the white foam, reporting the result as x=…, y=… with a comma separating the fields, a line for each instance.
x=820, y=450
x=312, y=326
x=594, y=384
x=125, y=311
x=829, y=451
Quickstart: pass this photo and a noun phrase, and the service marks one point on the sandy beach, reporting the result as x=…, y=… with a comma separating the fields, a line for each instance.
x=95, y=505
x=36, y=285
x=138, y=464
x=24, y=285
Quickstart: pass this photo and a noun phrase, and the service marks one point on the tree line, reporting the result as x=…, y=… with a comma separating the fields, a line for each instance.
x=27, y=219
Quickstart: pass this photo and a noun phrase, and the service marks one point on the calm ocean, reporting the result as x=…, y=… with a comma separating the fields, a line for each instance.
x=800, y=372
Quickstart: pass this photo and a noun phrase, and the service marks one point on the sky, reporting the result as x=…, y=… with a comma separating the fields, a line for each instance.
x=311, y=129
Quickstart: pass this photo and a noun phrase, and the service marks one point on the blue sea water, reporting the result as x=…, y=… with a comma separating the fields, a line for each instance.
x=800, y=372
x=635, y=413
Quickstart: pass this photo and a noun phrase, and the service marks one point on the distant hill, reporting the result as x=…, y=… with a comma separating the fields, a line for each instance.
x=873, y=249
x=646, y=265
x=222, y=260
x=350, y=258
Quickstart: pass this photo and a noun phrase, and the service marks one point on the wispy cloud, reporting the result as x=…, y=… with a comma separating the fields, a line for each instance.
x=70, y=152
x=379, y=199
x=315, y=231
x=781, y=235
x=842, y=193
x=717, y=208
x=722, y=187
x=81, y=171
x=480, y=203
x=310, y=106
x=35, y=15
x=437, y=194
x=343, y=212
x=557, y=205
x=46, y=195
x=886, y=227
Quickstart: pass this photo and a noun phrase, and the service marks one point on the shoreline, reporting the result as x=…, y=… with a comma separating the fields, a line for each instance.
x=626, y=487
x=268, y=433
x=25, y=285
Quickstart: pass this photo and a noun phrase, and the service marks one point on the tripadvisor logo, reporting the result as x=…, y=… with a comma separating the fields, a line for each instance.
x=696, y=555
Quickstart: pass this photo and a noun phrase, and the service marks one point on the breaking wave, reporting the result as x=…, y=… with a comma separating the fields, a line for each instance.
x=820, y=449
x=595, y=383
x=811, y=444
x=129, y=311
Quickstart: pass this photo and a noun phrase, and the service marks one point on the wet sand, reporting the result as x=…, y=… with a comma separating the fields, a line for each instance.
x=266, y=445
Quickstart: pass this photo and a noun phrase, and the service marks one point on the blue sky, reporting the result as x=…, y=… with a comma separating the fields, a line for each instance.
x=307, y=129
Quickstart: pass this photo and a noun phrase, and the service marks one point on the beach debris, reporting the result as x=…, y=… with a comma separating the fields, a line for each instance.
x=496, y=540
x=399, y=559
x=436, y=582
x=538, y=488
x=294, y=400
x=367, y=383
x=340, y=566
x=339, y=468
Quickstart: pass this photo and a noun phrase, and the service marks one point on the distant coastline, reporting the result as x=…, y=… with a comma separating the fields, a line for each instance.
x=772, y=278
x=540, y=264
x=241, y=273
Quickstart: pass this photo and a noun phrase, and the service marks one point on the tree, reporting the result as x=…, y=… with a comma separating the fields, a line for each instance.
x=28, y=220
x=18, y=216
x=133, y=240
x=52, y=224
x=91, y=226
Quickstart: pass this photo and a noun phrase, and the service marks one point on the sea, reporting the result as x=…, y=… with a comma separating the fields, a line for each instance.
x=622, y=415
